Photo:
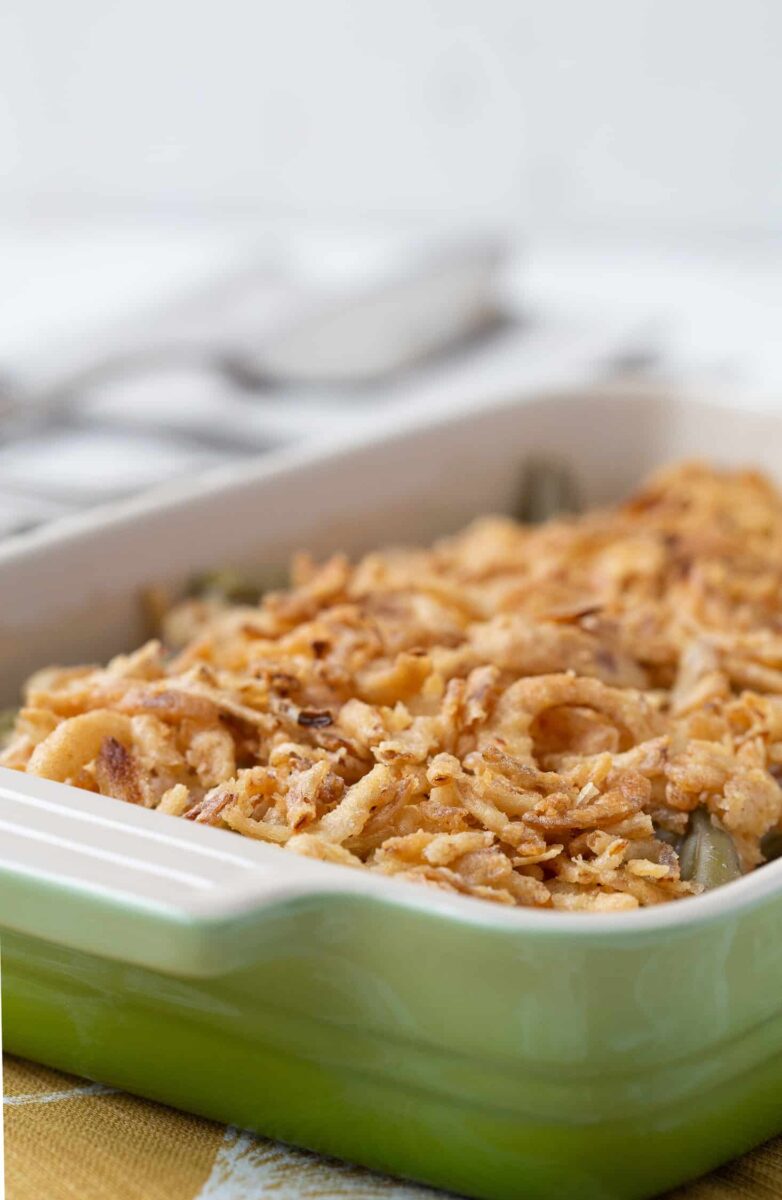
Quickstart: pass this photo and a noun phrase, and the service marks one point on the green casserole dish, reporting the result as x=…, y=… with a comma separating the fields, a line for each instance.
x=493, y=1052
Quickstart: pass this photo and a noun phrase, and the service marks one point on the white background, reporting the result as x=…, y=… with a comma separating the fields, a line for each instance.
x=631, y=147
x=628, y=117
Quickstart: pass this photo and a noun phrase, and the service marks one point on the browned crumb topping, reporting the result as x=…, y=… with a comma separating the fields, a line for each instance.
x=527, y=715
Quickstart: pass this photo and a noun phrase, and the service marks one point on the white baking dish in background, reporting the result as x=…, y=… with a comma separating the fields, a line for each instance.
x=448, y=1009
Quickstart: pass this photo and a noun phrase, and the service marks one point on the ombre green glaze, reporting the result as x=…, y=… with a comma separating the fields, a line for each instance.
x=493, y=1062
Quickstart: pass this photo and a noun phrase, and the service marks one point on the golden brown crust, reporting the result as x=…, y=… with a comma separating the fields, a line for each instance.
x=513, y=714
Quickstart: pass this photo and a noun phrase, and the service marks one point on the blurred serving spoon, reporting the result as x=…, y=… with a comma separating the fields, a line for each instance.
x=440, y=299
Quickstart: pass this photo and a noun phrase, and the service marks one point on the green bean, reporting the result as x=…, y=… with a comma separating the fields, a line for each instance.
x=7, y=722
x=226, y=587
x=548, y=490
x=708, y=854
x=771, y=845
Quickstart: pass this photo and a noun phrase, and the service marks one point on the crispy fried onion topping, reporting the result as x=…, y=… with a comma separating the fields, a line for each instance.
x=523, y=715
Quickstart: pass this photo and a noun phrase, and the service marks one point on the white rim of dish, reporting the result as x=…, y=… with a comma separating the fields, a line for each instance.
x=231, y=877
x=281, y=460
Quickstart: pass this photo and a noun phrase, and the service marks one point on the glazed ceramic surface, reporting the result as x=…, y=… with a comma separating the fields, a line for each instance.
x=496, y=1053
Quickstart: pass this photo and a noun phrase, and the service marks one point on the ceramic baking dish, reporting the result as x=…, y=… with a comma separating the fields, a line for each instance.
x=496, y=1053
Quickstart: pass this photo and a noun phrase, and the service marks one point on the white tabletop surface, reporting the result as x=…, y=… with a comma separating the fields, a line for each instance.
x=717, y=303
x=714, y=308
x=706, y=318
